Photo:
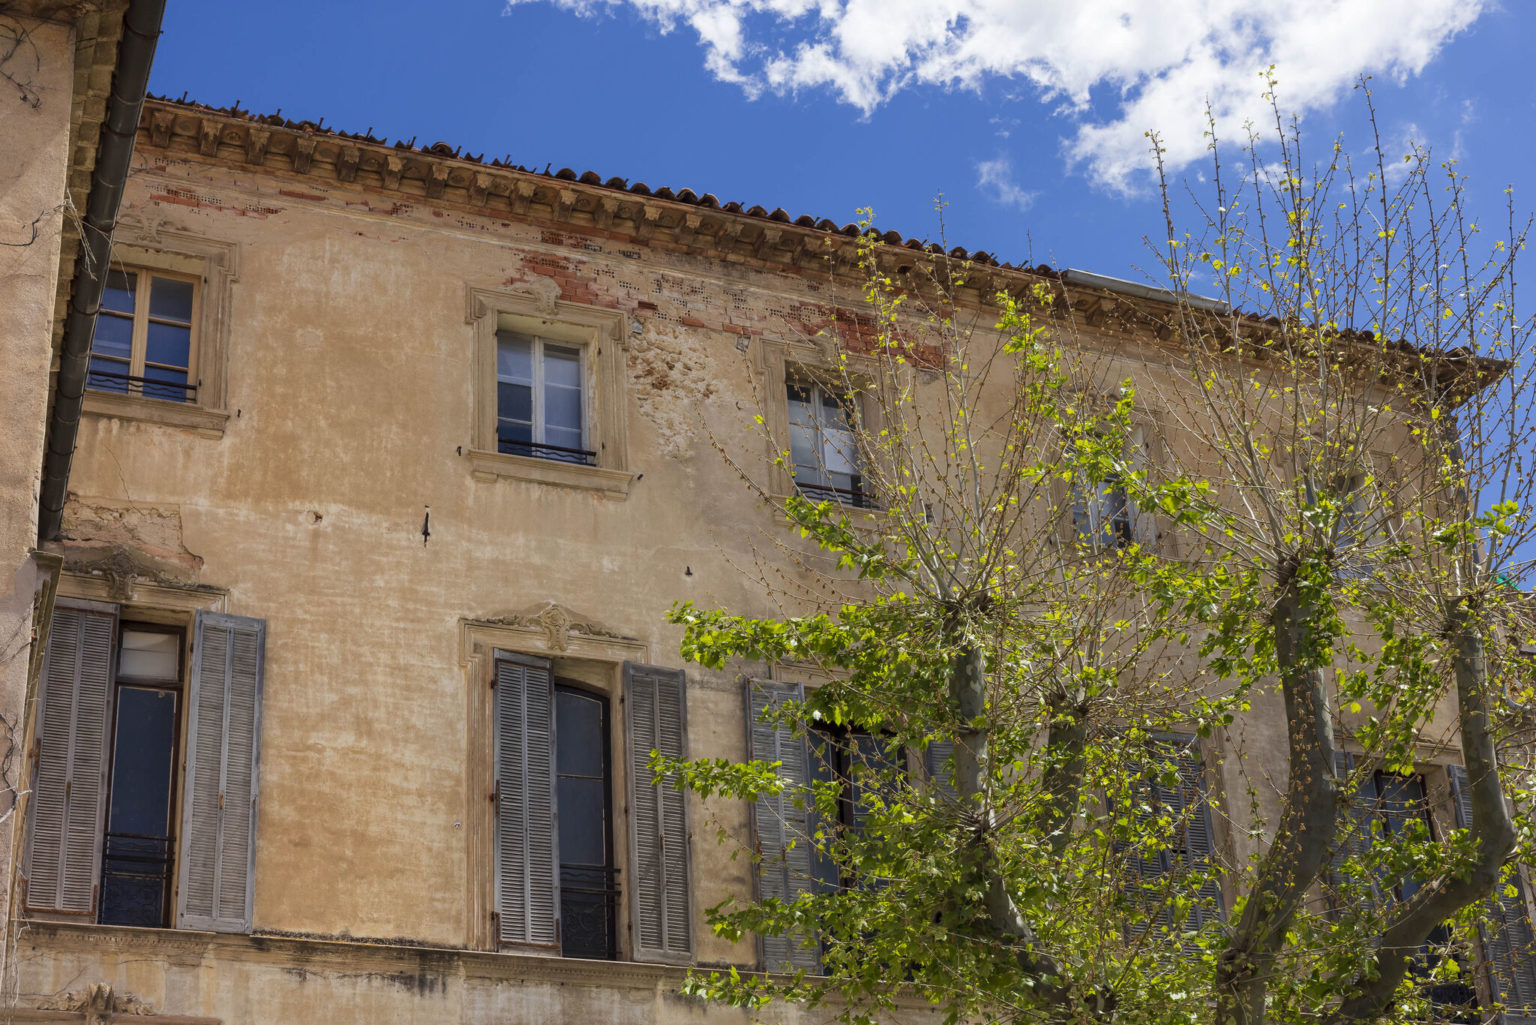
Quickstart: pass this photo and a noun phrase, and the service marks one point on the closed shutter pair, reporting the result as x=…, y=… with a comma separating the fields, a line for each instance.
x=216, y=857
x=1509, y=946
x=527, y=864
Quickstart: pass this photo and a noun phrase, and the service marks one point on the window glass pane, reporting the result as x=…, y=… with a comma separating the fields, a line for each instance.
x=800, y=405
x=119, y=293
x=513, y=437
x=583, y=825
x=514, y=358
x=113, y=337
x=832, y=412
x=136, y=862
x=563, y=438
x=171, y=299
x=803, y=445
x=562, y=408
x=562, y=365
x=515, y=402
x=107, y=375
x=169, y=345
x=578, y=733
x=150, y=655
x=840, y=452
x=160, y=383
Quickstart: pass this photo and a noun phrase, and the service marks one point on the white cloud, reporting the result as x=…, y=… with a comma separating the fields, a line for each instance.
x=1157, y=63
x=995, y=178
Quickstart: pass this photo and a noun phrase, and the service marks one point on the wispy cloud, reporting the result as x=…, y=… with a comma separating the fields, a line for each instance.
x=995, y=178
x=1161, y=61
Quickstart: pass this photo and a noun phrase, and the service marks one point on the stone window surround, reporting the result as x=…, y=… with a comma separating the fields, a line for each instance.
x=601, y=335
x=584, y=654
x=777, y=361
x=215, y=265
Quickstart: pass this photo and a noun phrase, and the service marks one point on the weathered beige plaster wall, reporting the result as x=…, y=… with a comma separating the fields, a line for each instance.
x=34, y=162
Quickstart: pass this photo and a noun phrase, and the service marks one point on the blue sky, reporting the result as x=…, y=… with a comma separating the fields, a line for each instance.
x=1027, y=116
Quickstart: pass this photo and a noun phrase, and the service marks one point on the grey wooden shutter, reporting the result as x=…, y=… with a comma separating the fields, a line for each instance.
x=937, y=763
x=216, y=868
x=780, y=823
x=1509, y=946
x=1192, y=805
x=527, y=868
x=1354, y=829
x=68, y=804
x=661, y=897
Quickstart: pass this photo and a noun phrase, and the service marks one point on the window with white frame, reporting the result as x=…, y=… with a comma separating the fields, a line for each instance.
x=823, y=446
x=540, y=402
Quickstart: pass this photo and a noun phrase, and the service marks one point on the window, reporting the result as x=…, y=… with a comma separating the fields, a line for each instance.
x=788, y=864
x=115, y=834
x=1103, y=515
x=1182, y=798
x=557, y=884
x=1392, y=805
x=539, y=406
x=143, y=343
x=823, y=448
x=1364, y=527
x=1506, y=936
x=549, y=391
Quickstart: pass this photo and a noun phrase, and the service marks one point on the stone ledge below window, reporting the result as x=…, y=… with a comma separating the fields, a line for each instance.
x=487, y=466
x=208, y=423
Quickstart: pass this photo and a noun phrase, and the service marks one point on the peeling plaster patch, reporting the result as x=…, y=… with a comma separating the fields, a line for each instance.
x=673, y=374
x=150, y=535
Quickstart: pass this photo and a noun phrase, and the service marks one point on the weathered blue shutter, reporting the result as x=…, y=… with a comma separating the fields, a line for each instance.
x=527, y=869
x=1509, y=946
x=216, y=867
x=68, y=803
x=661, y=897
x=780, y=823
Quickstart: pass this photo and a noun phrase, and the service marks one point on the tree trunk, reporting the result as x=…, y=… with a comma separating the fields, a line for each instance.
x=968, y=689
x=1412, y=921
x=1307, y=823
x=1065, y=762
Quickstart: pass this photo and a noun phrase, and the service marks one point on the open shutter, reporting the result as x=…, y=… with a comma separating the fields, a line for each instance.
x=68, y=804
x=780, y=823
x=216, y=869
x=937, y=762
x=1190, y=804
x=661, y=897
x=1509, y=947
x=1354, y=829
x=527, y=870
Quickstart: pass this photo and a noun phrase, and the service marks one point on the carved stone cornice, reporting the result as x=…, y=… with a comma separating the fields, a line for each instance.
x=440, y=175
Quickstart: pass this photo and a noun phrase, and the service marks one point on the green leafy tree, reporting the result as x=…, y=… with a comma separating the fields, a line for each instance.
x=1043, y=600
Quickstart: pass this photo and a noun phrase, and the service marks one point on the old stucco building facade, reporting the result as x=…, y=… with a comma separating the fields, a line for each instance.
x=389, y=459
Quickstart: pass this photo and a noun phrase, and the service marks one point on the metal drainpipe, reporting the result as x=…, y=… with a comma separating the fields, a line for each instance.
x=130, y=82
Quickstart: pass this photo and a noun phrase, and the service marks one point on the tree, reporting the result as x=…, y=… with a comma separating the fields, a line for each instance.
x=1074, y=568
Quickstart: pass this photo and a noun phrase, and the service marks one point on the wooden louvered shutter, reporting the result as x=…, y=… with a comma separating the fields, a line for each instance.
x=1354, y=829
x=1509, y=946
x=1191, y=805
x=937, y=762
x=527, y=866
x=216, y=867
x=68, y=803
x=780, y=822
x=662, y=895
